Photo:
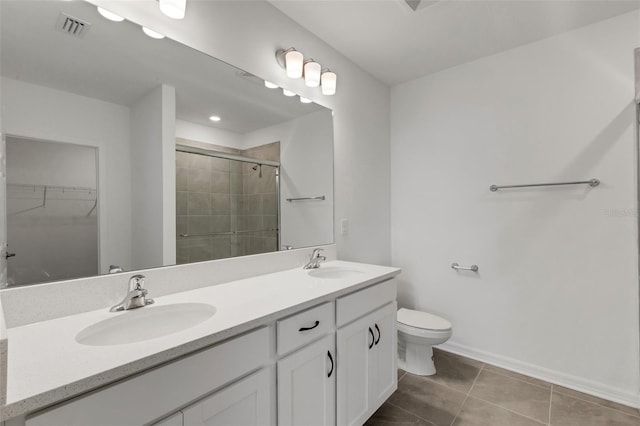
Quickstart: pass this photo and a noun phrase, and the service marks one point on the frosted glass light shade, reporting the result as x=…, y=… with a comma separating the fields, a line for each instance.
x=110, y=15
x=305, y=100
x=173, y=8
x=329, y=80
x=293, y=63
x=312, y=73
x=270, y=85
x=152, y=34
x=288, y=92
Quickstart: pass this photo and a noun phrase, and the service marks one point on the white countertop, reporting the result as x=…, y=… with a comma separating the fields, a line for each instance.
x=46, y=364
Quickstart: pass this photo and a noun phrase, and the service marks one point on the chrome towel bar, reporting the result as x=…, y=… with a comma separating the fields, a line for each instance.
x=473, y=268
x=322, y=197
x=591, y=182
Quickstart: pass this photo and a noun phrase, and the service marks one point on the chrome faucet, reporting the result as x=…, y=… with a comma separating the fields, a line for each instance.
x=136, y=297
x=314, y=261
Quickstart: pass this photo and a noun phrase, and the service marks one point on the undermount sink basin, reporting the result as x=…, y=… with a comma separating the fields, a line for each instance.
x=145, y=323
x=334, y=272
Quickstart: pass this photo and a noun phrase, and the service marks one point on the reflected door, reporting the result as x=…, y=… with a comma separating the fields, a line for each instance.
x=52, y=215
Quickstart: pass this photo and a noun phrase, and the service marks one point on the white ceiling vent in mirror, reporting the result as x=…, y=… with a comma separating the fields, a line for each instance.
x=72, y=26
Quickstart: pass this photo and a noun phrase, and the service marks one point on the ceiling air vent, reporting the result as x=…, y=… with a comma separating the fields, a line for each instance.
x=72, y=26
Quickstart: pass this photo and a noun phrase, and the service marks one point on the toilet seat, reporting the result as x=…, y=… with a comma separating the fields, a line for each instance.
x=416, y=321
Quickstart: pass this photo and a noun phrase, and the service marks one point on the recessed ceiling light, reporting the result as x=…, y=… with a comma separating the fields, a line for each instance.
x=152, y=33
x=287, y=92
x=215, y=118
x=110, y=15
x=270, y=85
x=305, y=100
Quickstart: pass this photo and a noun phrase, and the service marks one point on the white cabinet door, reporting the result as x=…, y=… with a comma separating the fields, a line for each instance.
x=307, y=385
x=384, y=374
x=366, y=365
x=245, y=403
x=354, y=344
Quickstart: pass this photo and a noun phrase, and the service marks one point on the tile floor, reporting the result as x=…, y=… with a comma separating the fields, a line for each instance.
x=465, y=392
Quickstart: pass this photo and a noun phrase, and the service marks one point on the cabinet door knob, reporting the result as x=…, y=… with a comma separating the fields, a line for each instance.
x=332, y=364
x=379, y=334
x=373, y=338
x=317, y=323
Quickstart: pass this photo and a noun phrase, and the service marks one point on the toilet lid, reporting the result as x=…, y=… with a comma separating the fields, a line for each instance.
x=424, y=320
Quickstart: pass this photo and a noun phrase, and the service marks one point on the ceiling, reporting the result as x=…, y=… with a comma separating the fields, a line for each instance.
x=117, y=63
x=395, y=44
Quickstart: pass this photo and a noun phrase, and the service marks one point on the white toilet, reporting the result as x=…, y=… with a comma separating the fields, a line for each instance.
x=418, y=332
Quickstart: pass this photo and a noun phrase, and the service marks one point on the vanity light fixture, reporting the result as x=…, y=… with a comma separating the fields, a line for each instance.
x=152, y=34
x=110, y=15
x=288, y=92
x=295, y=65
x=312, y=73
x=328, y=80
x=270, y=85
x=215, y=118
x=305, y=100
x=291, y=60
x=173, y=8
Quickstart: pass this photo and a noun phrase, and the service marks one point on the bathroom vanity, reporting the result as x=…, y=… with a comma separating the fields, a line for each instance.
x=288, y=348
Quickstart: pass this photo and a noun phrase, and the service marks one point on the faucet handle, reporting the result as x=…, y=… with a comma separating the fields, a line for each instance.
x=136, y=282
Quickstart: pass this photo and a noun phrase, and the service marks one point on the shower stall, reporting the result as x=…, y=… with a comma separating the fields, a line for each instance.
x=227, y=203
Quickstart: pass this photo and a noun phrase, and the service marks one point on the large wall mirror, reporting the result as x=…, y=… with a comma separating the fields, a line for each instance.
x=114, y=162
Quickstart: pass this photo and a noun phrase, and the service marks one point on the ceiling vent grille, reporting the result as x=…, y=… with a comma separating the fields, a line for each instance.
x=73, y=26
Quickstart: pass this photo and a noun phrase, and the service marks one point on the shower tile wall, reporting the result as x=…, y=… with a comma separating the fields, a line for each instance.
x=203, y=204
x=260, y=201
x=215, y=195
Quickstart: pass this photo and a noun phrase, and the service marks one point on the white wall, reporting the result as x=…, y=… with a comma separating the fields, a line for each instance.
x=306, y=155
x=557, y=291
x=153, y=178
x=205, y=134
x=42, y=113
x=247, y=34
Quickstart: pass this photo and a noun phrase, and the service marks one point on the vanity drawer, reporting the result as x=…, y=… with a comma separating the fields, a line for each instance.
x=364, y=301
x=304, y=327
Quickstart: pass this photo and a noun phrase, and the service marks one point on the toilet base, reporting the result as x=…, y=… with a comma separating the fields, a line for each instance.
x=418, y=360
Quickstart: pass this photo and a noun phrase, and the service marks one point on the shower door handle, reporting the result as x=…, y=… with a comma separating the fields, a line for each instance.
x=8, y=255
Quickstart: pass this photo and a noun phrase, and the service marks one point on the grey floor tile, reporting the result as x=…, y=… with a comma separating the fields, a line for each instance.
x=515, y=395
x=390, y=415
x=401, y=374
x=479, y=413
x=568, y=411
x=440, y=353
x=596, y=400
x=428, y=400
x=518, y=376
x=455, y=371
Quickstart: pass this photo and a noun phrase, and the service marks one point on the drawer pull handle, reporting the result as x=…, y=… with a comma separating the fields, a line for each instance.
x=332, y=365
x=373, y=338
x=379, y=334
x=317, y=323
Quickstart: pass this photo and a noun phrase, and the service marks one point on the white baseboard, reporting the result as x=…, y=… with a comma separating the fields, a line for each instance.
x=569, y=381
